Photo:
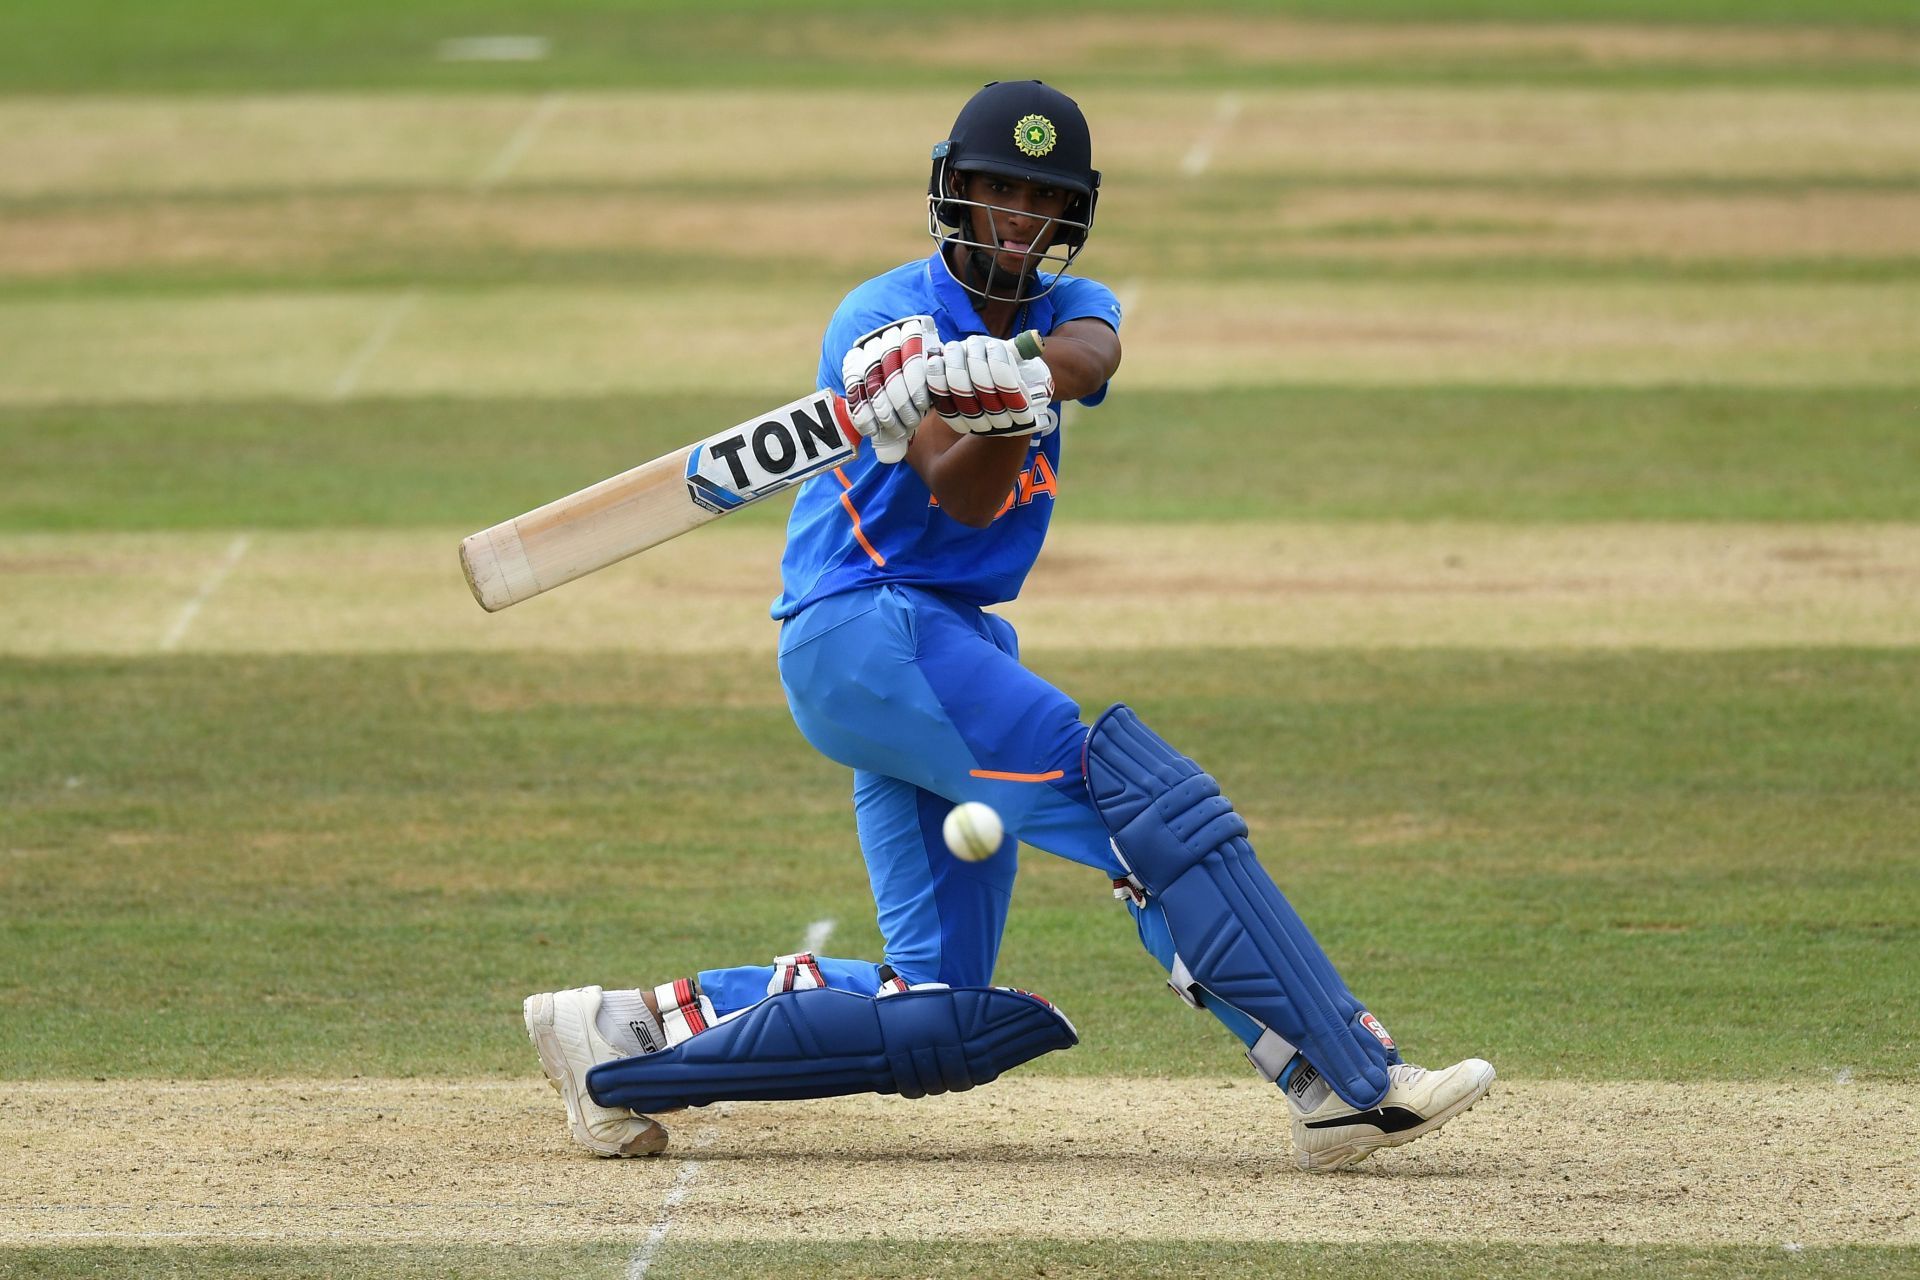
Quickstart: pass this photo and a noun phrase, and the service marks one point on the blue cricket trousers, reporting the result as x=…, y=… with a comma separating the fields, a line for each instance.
x=924, y=698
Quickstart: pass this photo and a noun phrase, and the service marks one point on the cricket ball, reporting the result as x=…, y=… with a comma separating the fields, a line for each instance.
x=973, y=831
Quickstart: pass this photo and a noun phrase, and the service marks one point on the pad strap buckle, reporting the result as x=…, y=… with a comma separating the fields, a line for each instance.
x=684, y=1012
x=797, y=972
x=891, y=983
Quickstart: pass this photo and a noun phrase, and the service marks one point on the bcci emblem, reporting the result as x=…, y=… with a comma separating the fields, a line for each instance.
x=1035, y=135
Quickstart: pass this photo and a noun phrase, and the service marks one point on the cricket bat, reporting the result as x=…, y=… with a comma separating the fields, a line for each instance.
x=626, y=514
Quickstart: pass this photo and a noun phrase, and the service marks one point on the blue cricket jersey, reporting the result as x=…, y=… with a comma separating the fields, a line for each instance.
x=866, y=523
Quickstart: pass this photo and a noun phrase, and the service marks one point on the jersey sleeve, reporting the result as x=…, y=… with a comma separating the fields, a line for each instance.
x=1076, y=298
x=853, y=318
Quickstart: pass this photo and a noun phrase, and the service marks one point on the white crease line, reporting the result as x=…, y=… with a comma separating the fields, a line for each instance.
x=1195, y=162
x=178, y=631
x=348, y=379
x=643, y=1256
x=817, y=934
x=502, y=164
x=516, y=146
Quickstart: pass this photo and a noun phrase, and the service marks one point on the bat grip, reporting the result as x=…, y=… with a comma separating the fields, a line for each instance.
x=1029, y=344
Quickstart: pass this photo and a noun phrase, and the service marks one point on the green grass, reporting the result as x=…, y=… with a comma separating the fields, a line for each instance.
x=1229, y=255
x=1596, y=866
x=91, y=45
x=460, y=267
x=975, y=1260
x=1297, y=453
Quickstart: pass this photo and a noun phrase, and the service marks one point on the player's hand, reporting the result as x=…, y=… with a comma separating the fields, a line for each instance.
x=885, y=373
x=982, y=386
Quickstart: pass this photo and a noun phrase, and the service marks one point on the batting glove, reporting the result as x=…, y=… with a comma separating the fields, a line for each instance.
x=982, y=386
x=885, y=373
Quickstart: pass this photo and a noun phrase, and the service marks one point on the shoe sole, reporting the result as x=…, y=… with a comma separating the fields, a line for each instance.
x=1345, y=1157
x=537, y=1012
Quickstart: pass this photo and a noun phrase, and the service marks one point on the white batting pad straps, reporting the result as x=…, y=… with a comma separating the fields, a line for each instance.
x=797, y=972
x=1270, y=1054
x=1184, y=986
x=1305, y=1088
x=684, y=1012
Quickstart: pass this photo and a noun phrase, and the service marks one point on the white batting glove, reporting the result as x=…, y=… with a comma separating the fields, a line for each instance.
x=886, y=378
x=981, y=386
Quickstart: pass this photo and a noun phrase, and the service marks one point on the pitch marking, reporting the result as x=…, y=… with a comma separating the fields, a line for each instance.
x=517, y=145
x=817, y=934
x=191, y=610
x=643, y=1256
x=348, y=379
x=1195, y=162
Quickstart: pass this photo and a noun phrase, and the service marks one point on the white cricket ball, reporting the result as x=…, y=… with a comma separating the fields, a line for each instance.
x=973, y=831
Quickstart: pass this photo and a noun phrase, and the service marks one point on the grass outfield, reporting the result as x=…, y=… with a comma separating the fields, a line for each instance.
x=1195, y=338
x=1511, y=492
x=1693, y=862
x=1534, y=454
x=64, y=46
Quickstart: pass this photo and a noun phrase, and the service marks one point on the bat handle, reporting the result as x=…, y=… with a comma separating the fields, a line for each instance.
x=1029, y=344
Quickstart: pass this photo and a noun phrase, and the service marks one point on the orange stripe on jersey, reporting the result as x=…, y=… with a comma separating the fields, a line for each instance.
x=860, y=535
x=997, y=776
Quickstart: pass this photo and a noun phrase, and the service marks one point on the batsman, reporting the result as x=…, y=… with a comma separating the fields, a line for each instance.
x=954, y=368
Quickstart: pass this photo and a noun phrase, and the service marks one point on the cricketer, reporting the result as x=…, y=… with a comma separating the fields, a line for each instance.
x=893, y=667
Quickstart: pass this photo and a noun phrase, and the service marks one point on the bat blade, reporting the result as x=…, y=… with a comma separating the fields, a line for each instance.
x=626, y=514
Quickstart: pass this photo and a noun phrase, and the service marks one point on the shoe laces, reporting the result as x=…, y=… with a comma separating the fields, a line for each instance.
x=1405, y=1073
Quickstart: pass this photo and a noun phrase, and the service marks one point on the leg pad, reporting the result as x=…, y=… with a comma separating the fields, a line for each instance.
x=823, y=1043
x=1240, y=939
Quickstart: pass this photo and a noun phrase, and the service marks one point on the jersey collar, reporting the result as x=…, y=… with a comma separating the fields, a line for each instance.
x=954, y=305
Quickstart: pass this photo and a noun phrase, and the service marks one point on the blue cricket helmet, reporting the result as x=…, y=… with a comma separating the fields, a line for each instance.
x=1023, y=129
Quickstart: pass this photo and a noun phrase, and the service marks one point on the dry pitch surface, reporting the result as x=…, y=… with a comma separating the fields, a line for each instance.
x=298, y=1162
x=1319, y=585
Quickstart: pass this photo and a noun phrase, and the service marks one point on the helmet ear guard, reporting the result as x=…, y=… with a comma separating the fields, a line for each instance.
x=943, y=206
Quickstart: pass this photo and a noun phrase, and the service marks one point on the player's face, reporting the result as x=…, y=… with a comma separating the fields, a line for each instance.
x=1019, y=223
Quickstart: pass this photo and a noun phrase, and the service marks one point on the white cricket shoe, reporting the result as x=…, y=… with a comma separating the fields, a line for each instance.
x=561, y=1026
x=1329, y=1134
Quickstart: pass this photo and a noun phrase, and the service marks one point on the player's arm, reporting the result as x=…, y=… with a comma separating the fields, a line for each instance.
x=971, y=473
x=1083, y=355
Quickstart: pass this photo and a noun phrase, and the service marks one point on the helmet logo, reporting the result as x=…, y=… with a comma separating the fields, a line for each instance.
x=1035, y=135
